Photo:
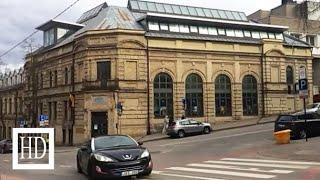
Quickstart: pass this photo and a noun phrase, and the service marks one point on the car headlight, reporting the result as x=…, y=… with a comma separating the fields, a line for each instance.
x=145, y=154
x=102, y=158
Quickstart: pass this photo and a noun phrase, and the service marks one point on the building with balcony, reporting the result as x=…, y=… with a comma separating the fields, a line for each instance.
x=11, y=102
x=304, y=24
x=120, y=70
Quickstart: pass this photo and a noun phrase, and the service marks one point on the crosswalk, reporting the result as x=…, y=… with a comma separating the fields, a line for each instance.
x=236, y=168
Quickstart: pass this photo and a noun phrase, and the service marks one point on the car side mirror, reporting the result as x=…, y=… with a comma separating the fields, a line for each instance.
x=140, y=143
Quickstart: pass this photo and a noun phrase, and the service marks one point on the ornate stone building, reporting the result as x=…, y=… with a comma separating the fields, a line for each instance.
x=11, y=102
x=122, y=69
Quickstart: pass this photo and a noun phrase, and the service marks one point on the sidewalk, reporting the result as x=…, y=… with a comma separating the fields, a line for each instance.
x=216, y=127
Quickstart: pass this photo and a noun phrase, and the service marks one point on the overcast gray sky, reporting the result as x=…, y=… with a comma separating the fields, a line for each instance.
x=20, y=17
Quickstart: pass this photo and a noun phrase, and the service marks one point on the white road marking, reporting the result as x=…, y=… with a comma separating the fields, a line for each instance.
x=240, y=169
x=216, y=138
x=271, y=161
x=260, y=164
x=183, y=176
x=230, y=173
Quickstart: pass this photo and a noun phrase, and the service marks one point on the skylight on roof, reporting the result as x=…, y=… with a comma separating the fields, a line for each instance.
x=147, y=6
x=93, y=13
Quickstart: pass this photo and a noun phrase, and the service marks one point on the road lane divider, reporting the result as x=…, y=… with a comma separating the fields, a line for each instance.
x=272, y=161
x=183, y=176
x=239, y=168
x=229, y=173
x=260, y=164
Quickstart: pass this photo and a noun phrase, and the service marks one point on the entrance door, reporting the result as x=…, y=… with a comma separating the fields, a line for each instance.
x=99, y=124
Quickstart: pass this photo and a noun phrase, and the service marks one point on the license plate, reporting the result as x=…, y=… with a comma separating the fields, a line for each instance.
x=130, y=173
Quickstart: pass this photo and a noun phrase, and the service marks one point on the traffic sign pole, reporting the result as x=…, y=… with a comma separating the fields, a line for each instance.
x=303, y=92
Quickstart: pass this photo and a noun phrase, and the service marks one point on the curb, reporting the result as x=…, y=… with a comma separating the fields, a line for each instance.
x=221, y=129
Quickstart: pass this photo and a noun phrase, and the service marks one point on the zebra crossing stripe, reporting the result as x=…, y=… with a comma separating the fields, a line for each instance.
x=230, y=173
x=259, y=164
x=240, y=169
x=183, y=176
x=272, y=161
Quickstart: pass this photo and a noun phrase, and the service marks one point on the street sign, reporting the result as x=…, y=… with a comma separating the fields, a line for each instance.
x=43, y=120
x=302, y=73
x=303, y=88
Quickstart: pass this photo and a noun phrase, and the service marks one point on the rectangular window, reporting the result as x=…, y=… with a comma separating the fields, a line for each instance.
x=50, y=111
x=61, y=32
x=184, y=28
x=203, y=30
x=311, y=40
x=193, y=29
x=104, y=70
x=65, y=103
x=164, y=27
x=176, y=9
x=66, y=76
x=255, y=35
x=263, y=35
x=212, y=31
x=55, y=111
x=50, y=79
x=55, y=78
x=279, y=36
x=174, y=27
x=154, y=26
x=239, y=33
x=271, y=35
x=230, y=32
x=222, y=32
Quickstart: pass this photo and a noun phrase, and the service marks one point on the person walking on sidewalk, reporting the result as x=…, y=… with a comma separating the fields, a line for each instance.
x=165, y=124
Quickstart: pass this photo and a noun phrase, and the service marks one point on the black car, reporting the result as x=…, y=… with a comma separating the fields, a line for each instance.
x=5, y=146
x=296, y=123
x=113, y=156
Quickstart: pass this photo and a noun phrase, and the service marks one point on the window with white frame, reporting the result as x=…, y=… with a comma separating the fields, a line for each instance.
x=164, y=27
x=174, y=27
x=311, y=39
x=154, y=26
x=184, y=28
x=212, y=31
x=194, y=29
x=203, y=30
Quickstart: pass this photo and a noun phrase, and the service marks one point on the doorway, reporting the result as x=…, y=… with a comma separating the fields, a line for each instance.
x=99, y=124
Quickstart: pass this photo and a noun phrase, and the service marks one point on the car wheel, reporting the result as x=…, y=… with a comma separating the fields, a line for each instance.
x=302, y=134
x=78, y=166
x=181, y=133
x=206, y=130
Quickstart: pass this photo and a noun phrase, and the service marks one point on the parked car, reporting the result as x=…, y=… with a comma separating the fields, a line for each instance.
x=315, y=107
x=183, y=127
x=113, y=156
x=5, y=146
x=296, y=123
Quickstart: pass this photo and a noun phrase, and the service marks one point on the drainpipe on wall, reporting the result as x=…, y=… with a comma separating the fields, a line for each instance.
x=72, y=94
x=262, y=81
x=148, y=87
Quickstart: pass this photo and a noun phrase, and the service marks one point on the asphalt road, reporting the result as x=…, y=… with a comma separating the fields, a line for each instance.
x=238, y=154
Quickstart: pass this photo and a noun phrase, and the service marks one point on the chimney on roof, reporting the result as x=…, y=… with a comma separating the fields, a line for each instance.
x=284, y=2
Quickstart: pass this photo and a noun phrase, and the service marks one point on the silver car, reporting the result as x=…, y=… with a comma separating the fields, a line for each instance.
x=188, y=126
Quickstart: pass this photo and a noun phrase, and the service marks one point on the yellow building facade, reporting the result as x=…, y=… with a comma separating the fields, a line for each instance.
x=123, y=69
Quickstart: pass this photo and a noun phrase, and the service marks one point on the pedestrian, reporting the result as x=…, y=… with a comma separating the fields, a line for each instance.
x=165, y=124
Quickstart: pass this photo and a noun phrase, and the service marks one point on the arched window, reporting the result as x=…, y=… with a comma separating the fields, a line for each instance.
x=223, y=96
x=163, y=95
x=290, y=80
x=194, y=96
x=249, y=96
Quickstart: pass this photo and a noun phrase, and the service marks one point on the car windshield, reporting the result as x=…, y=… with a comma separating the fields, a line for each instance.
x=311, y=106
x=108, y=142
